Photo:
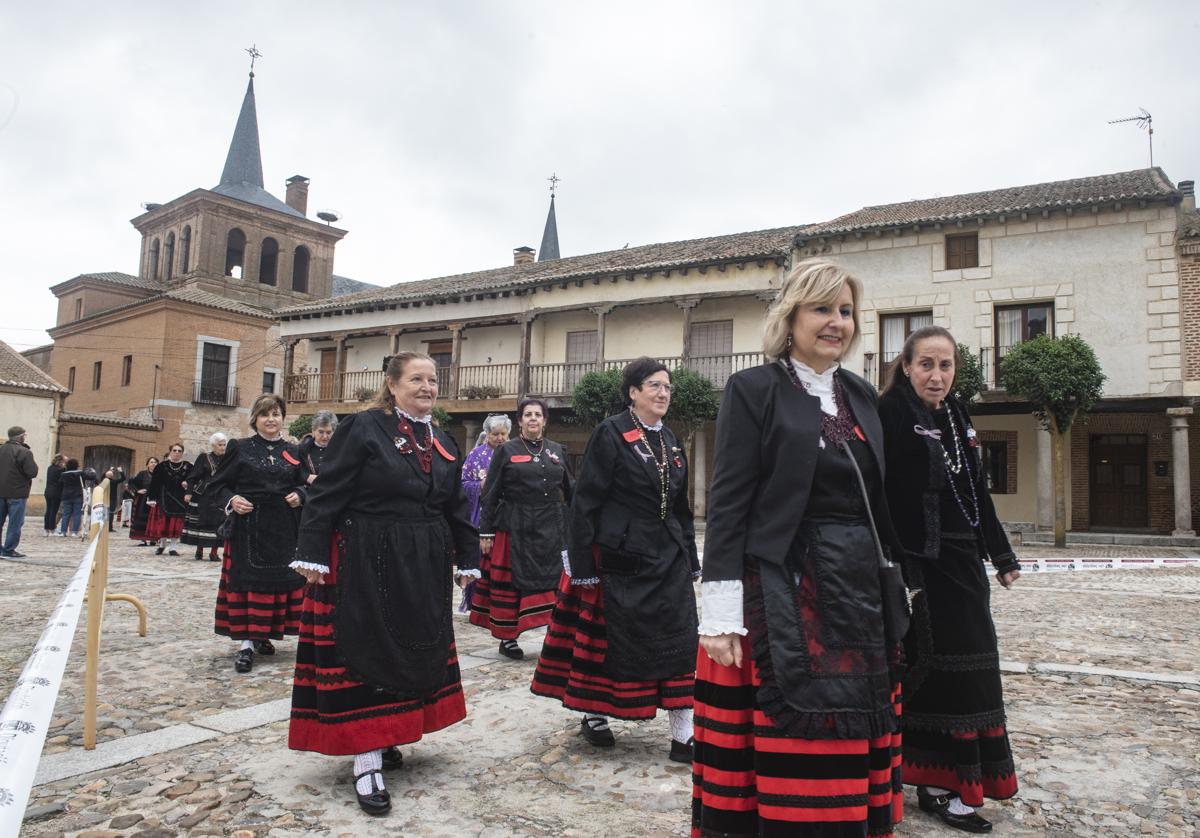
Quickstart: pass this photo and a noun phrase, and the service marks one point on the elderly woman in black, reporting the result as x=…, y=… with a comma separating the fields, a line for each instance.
x=139, y=487
x=622, y=638
x=205, y=515
x=523, y=510
x=168, y=485
x=956, y=748
x=261, y=483
x=797, y=723
x=385, y=521
x=312, y=448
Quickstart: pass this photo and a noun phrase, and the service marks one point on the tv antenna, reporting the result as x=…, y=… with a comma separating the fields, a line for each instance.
x=1143, y=121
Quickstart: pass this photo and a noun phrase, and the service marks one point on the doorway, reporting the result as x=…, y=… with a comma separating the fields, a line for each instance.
x=1118, y=469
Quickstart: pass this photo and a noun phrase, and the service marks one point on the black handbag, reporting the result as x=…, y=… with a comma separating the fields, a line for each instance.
x=896, y=610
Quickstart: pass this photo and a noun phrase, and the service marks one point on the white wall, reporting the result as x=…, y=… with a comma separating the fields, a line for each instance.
x=36, y=415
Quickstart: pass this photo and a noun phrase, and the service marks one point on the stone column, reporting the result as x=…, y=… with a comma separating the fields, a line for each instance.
x=1045, y=481
x=394, y=341
x=471, y=430
x=699, y=466
x=1181, y=466
x=687, y=305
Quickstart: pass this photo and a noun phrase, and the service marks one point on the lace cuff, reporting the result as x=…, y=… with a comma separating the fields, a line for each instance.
x=319, y=568
x=474, y=573
x=721, y=608
x=591, y=580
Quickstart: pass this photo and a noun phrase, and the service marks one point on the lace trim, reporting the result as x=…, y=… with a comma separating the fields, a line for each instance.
x=473, y=573
x=428, y=420
x=818, y=384
x=319, y=568
x=591, y=580
x=721, y=608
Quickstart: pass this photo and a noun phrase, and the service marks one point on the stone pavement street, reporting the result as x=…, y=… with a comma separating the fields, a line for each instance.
x=1103, y=688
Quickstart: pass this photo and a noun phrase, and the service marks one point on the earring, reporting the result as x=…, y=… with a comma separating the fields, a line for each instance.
x=789, y=341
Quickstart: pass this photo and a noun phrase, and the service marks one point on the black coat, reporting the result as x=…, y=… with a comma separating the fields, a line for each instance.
x=767, y=438
x=166, y=487
x=53, y=487
x=311, y=456
x=916, y=478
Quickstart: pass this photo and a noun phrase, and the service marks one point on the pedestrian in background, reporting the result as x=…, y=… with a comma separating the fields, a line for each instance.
x=956, y=749
x=139, y=488
x=115, y=476
x=17, y=470
x=53, y=493
x=71, y=483
x=168, y=485
x=204, y=515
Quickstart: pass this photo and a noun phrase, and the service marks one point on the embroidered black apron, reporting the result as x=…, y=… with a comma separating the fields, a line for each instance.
x=264, y=544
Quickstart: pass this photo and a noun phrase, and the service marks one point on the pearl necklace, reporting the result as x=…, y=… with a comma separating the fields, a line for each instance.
x=661, y=465
x=962, y=461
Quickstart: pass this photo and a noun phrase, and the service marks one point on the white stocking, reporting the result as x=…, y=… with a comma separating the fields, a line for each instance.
x=596, y=722
x=370, y=761
x=957, y=807
x=681, y=724
x=246, y=644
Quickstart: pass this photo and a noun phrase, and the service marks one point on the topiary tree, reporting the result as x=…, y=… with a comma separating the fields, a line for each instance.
x=597, y=395
x=300, y=426
x=968, y=378
x=693, y=402
x=1062, y=380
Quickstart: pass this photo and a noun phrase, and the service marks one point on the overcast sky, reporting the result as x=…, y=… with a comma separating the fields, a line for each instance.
x=431, y=127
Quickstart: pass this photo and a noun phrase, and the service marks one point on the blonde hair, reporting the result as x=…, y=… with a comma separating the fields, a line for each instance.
x=391, y=374
x=812, y=282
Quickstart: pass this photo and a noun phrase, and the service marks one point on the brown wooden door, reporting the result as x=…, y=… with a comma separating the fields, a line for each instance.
x=328, y=373
x=1118, y=481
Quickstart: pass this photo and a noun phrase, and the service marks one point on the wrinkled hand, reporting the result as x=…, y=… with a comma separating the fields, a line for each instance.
x=1007, y=579
x=141, y=491
x=463, y=581
x=240, y=505
x=292, y=499
x=485, y=545
x=187, y=498
x=725, y=649
x=312, y=577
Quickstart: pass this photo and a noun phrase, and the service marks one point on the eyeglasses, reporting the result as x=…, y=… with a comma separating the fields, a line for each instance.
x=658, y=386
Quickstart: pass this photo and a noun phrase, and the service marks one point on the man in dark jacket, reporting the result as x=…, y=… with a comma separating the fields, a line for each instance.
x=17, y=470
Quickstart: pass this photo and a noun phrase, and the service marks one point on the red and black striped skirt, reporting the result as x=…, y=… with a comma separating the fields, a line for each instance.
x=749, y=779
x=160, y=525
x=498, y=606
x=336, y=715
x=249, y=615
x=139, y=520
x=972, y=763
x=571, y=666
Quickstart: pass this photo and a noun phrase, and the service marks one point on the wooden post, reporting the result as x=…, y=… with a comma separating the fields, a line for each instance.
x=687, y=305
x=289, y=360
x=523, y=366
x=601, y=313
x=456, y=330
x=339, y=367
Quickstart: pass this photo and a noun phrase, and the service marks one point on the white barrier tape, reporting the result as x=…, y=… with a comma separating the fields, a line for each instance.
x=98, y=516
x=26, y=714
x=1098, y=563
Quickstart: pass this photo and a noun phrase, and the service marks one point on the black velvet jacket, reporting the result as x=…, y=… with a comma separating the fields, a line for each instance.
x=166, y=486
x=311, y=456
x=363, y=472
x=514, y=478
x=617, y=498
x=768, y=432
x=916, y=479
x=254, y=466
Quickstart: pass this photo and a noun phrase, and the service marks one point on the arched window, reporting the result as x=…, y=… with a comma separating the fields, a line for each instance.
x=235, y=253
x=154, y=259
x=300, y=270
x=268, y=261
x=169, y=255
x=185, y=248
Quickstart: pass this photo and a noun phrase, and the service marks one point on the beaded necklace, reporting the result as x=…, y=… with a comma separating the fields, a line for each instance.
x=407, y=427
x=961, y=461
x=659, y=463
x=541, y=446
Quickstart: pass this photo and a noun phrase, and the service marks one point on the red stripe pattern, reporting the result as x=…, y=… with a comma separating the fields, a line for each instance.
x=159, y=525
x=248, y=615
x=336, y=715
x=498, y=606
x=748, y=779
x=974, y=763
x=571, y=666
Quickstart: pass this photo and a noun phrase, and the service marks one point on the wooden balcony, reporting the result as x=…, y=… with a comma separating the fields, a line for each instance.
x=489, y=387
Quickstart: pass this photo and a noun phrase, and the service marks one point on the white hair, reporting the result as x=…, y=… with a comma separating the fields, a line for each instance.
x=497, y=420
x=217, y=437
x=324, y=418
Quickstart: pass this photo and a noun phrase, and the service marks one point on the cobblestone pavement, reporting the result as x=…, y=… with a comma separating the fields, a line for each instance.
x=1103, y=697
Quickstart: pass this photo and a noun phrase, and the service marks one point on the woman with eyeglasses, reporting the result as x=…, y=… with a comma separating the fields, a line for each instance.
x=522, y=531
x=622, y=639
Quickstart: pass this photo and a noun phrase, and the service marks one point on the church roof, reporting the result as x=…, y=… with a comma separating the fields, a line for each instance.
x=114, y=278
x=343, y=285
x=18, y=371
x=549, y=249
x=242, y=177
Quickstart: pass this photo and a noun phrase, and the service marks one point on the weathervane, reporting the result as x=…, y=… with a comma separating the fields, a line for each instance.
x=1144, y=121
x=554, y=181
x=254, y=55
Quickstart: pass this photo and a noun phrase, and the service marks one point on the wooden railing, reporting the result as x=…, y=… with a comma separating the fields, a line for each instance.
x=489, y=381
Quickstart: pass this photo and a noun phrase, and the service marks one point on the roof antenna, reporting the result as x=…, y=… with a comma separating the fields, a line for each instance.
x=1144, y=121
x=254, y=55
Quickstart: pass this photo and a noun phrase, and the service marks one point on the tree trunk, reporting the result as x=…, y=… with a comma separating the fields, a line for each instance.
x=1058, y=443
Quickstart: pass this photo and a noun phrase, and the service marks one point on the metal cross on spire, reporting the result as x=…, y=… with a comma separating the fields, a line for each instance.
x=254, y=55
x=554, y=181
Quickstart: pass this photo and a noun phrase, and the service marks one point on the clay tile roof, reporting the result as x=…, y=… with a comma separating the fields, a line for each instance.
x=651, y=257
x=111, y=421
x=115, y=278
x=1140, y=184
x=343, y=285
x=17, y=371
x=206, y=298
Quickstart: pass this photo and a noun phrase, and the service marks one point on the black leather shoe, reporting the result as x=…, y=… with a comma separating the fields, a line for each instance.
x=14, y=555
x=392, y=758
x=264, y=647
x=681, y=751
x=243, y=661
x=200, y=556
x=601, y=738
x=172, y=553
x=510, y=649
x=939, y=804
x=378, y=802
x=160, y=551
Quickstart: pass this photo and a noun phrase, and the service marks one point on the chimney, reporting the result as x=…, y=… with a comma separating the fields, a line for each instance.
x=297, y=194
x=1188, y=189
x=523, y=255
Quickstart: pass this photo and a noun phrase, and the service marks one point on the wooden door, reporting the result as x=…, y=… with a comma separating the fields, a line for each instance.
x=1118, y=482
x=328, y=373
